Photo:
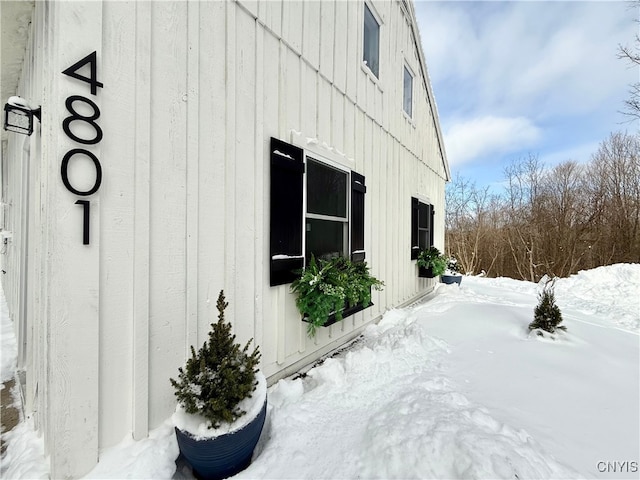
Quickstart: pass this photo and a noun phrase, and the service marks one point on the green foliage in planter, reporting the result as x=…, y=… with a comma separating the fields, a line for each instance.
x=221, y=375
x=326, y=287
x=547, y=315
x=432, y=258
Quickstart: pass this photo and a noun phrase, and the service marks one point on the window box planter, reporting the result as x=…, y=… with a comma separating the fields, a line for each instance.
x=347, y=312
x=431, y=263
x=424, y=272
x=326, y=288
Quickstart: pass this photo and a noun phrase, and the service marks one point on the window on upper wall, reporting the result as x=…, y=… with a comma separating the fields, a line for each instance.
x=407, y=97
x=421, y=226
x=332, y=224
x=371, y=50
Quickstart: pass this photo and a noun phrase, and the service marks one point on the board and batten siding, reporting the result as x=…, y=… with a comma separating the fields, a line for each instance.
x=193, y=92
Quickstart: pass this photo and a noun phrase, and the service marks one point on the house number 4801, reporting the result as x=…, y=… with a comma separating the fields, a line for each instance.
x=72, y=104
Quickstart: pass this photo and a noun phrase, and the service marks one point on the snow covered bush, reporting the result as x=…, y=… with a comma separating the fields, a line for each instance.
x=221, y=375
x=547, y=315
x=326, y=287
x=452, y=265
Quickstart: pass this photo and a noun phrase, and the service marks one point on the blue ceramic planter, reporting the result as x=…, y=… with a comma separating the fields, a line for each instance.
x=223, y=456
x=449, y=279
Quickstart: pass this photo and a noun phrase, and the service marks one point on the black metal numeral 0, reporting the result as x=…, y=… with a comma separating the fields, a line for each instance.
x=65, y=176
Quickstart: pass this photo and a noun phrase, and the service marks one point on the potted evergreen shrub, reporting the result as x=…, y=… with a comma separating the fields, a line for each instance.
x=452, y=273
x=330, y=290
x=222, y=402
x=431, y=263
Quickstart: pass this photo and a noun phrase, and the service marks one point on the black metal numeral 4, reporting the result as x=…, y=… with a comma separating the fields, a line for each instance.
x=90, y=59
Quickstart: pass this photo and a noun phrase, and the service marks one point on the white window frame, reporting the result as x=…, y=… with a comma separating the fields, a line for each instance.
x=378, y=19
x=346, y=221
x=406, y=68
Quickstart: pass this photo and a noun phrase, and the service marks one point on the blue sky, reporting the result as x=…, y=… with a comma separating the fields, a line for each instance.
x=526, y=77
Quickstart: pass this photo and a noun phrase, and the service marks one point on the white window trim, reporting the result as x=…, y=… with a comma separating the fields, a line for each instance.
x=363, y=64
x=314, y=148
x=413, y=103
x=305, y=214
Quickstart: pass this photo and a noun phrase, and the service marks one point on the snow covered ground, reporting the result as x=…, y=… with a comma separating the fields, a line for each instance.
x=454, y=387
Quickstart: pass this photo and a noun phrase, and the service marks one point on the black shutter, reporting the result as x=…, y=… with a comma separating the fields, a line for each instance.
x=431, y=213
x=287, y=171
x=415, y=248
x=358, y=189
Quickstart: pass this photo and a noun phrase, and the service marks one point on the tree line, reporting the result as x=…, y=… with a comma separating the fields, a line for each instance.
x=556, y=220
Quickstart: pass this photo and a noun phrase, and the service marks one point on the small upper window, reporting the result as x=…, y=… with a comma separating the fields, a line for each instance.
x=407, y=97
x=371, y=41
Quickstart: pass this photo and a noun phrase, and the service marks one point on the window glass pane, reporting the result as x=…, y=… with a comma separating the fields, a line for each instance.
x=325, y=239
x=423, y=216
x=371, y=40
x=408, y=91
x=326, y=190
x=423, y=239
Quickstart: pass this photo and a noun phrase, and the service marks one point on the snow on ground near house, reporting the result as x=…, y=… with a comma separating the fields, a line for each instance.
x=24, y=457
x=9, y=350
x=455, y=387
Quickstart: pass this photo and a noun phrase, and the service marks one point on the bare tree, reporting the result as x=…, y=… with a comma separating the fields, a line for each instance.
x=632, y=56
x=524, y=211
x=468, y=230
x=616, y=168
x=550, y=220
x=567, y=216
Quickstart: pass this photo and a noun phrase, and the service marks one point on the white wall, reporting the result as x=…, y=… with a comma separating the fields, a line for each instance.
x=192, y=93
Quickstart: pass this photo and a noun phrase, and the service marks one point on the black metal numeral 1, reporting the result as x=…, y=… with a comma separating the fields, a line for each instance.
x=86, y=209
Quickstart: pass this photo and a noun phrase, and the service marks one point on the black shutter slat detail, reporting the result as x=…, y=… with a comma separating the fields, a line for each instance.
x=358, y=190
x=415, y=207
x=431, y=214
x=287, y=171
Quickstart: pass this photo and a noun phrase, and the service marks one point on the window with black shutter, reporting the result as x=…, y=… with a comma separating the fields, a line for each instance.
x=287, y=175
x=421, y=226
x=331, y=226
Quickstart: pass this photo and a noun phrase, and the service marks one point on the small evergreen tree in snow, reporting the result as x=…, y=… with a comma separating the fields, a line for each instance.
x=547, y=315
x=221, y=375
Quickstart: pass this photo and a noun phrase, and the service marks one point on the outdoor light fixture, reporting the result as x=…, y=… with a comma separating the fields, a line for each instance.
x=18, y=116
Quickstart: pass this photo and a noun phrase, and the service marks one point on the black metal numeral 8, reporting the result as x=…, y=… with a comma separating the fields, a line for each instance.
x=77, y=116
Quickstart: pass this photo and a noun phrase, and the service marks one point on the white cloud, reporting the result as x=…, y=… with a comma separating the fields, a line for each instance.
x=512, y=58
x=580, y=153
x=518, y=77
x=480, y=137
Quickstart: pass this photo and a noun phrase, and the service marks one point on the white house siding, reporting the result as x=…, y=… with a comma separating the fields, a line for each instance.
x=193, y=92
